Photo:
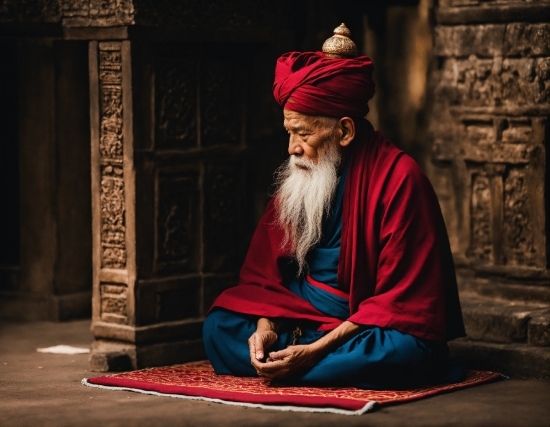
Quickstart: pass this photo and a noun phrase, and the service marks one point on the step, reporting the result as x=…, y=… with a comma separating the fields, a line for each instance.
x=530, y=291
x=515, y=360
x=538, y=330
x=502, y=321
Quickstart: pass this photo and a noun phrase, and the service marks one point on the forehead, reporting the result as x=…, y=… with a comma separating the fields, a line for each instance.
x=298, y=120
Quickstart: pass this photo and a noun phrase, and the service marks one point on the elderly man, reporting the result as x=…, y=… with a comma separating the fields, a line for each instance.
x=349, y=279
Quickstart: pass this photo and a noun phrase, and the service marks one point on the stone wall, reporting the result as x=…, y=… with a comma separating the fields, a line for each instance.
x=30, y=11
x=490, y=129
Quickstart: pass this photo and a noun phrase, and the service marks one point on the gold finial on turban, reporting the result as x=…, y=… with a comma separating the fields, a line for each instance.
x=340, y=45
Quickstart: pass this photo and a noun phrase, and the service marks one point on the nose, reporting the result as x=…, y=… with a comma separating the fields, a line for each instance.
x=294, y=147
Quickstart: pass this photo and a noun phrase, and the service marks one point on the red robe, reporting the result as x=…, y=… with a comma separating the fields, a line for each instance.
x=395, y=260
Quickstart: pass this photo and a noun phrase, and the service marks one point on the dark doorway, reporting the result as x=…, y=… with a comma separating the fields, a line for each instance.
x=9, y=167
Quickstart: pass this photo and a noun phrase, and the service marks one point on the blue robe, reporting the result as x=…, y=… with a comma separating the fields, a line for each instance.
x=375, y=358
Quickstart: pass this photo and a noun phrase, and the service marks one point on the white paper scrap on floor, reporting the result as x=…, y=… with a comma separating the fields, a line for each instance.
x=63, y=349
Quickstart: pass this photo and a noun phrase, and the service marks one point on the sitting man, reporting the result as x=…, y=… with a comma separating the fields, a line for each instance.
x=349, y=279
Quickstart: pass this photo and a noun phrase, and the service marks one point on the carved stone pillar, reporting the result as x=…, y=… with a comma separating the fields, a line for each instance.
x=113, y=198
x=491, y=130
x=171, y=218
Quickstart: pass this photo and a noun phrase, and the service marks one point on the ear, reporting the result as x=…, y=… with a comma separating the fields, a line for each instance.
x=346, y=127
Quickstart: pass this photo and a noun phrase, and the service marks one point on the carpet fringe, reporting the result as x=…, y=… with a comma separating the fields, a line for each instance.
x=369, y=406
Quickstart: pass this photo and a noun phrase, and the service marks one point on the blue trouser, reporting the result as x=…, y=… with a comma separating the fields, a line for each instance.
x=374, y=358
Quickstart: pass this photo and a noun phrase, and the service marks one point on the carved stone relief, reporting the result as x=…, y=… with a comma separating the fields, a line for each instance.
x=492, y=95
x=73, y=8
x=495, y=139
x=517, y=222
x=220, y=102
x=113, y=224
x=481, y=238
x=195, y=13
x=190, y=90
x=222, y=208
x=177, y=229
x=97, y=13
x=495, y=82
x=198, y=105
x=221, y=14
x=498, y=148
x=30, y=11
x=176, y=87
x=114, y=302
x=492, y=40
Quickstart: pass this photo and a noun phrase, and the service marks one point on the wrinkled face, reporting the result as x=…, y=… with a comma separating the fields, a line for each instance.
x=308, y=134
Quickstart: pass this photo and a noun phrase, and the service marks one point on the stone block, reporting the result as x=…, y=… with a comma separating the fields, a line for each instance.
x=508, y=288
x=98, y=13
x=494, y=321
x=538, y=331
x=72, y=8
x=450, y=3
x=509, y=82
x=490, y=40
x=465, y=40
x=170, y=353
x=469, y=12
x=522, y=39
x=188, y=329
x=115, y=305
x=110, y=362
x=108, y=356
x=36, y=11
x=516, y=360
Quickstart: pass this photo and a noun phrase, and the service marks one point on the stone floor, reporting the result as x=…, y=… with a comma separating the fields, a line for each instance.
x=44, y=389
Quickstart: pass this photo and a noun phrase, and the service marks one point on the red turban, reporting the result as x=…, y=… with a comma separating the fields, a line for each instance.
x=310, y=83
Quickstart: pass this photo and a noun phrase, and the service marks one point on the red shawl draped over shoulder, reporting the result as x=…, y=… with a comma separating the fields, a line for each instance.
x=395, y=260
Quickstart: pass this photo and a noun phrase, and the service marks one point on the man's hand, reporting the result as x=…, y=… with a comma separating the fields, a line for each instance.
x=264, y=337
x=286, y=362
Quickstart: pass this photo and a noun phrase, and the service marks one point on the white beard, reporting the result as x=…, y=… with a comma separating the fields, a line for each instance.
x=304, y=199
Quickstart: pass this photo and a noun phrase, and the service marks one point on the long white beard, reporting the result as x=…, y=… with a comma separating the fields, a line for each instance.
x=304, y=199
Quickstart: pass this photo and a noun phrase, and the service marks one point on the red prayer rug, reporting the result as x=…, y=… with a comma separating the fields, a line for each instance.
x=198, y=381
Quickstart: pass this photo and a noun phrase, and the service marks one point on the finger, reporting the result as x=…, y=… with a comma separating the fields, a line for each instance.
x=281, y=354
x=259, y=347
x=268, y=372
x=270, y=368
x=256, y=364
x=252, y=349
x=279, y=373
x=270, y=339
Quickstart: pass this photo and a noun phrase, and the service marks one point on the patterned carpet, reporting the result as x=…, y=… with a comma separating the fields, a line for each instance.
x=197, y=380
